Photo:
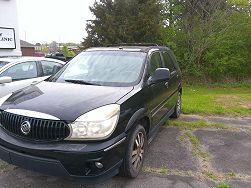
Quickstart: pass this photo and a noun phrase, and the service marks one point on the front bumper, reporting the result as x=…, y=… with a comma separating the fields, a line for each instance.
x=73, y=160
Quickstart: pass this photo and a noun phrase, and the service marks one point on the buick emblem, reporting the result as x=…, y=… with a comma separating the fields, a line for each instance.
x=25, y=127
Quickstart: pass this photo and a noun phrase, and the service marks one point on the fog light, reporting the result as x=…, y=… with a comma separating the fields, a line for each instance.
x=99, y=165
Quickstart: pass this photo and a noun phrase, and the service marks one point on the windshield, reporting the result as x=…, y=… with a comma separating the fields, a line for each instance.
x=108, y=68
x=3, y=63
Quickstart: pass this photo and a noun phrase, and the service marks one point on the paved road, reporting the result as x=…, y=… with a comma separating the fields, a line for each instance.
x=178, y=157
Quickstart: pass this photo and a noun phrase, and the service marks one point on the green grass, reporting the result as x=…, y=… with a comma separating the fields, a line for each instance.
x=210, y=175
x=231, y=173
x=195, y=124
x=217, y=100
x=196, y=146
x=3, y=166
x=224, y=185
x=162, y=170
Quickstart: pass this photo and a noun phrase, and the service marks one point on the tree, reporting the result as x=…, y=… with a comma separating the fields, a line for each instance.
x=124, y=21
x=211, y=38
x=228, y=56
x=53, y=47
x=67, y=52
x=199, y=32
x=45, y=48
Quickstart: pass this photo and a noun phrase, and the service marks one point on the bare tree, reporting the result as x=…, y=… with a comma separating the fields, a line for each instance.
x=53, y=47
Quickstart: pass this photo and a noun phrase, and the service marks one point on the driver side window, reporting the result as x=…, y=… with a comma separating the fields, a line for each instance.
x=155, y=63
x=21, y=71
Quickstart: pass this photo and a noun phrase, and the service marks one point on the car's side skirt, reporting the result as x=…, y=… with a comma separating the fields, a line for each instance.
x=155, y=130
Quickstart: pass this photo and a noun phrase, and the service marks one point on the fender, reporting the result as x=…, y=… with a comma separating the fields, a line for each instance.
x=136, y=116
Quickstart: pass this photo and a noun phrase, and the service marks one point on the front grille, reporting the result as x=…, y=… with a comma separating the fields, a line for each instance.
x=40, y=129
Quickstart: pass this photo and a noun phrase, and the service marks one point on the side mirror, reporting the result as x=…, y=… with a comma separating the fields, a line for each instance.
x=160, y=75
x=5, y=80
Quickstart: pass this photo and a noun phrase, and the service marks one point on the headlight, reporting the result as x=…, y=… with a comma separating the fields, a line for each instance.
x=3, y=99
x=96, y=124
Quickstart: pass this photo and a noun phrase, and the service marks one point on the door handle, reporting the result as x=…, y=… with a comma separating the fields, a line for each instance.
x=167, y=84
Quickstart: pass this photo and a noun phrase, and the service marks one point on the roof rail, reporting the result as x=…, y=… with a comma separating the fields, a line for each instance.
x=132, y=44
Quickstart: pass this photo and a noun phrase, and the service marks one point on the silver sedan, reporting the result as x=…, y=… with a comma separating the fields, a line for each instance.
x=17, y=73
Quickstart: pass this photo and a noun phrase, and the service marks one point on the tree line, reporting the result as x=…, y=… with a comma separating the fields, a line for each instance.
x=211, y=38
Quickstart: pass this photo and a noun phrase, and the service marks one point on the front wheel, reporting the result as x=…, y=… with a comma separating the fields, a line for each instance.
x=177, y=109
x=135, y=153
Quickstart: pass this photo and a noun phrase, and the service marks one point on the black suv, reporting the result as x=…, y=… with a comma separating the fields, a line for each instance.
x=96, y=116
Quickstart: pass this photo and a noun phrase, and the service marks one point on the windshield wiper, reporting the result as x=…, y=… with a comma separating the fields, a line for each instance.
x=82, y=82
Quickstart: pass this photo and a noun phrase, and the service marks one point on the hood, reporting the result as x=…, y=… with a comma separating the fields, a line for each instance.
x=65, y=101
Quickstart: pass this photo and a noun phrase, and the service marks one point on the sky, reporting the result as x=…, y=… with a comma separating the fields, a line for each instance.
x=45, y=21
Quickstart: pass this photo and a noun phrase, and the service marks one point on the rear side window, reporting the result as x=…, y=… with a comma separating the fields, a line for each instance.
x=154, y=63
x=168, y=61
x=50, y=67
x=22, y=71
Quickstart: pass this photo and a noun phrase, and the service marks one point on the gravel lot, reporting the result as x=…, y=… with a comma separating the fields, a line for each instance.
x=178, y=157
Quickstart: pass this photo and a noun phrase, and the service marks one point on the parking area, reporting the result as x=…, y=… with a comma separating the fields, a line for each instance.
x=180, y=156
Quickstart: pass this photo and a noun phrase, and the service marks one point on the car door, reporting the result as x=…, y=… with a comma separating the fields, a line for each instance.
x=174, y=79
x=159, y=91
x=23, y=74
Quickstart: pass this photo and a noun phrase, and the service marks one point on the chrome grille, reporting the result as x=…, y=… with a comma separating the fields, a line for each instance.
x=40, y=129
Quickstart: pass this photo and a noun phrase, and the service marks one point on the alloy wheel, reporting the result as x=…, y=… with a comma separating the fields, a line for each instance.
x=138, y=151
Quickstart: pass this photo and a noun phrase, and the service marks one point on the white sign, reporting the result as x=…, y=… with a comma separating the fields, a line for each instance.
x=7, y=38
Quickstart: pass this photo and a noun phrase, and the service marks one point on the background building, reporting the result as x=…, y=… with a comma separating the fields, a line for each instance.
x=9, y=34
x=27, y=48
x=38, y=47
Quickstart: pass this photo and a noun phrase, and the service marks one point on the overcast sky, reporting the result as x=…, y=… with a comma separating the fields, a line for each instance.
x=47, y=20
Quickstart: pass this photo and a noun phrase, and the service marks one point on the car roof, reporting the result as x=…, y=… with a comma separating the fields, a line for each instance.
x=136, y=48
x=28, y=58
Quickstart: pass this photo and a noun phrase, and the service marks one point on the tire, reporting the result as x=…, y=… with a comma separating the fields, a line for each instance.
x=134, y=156
x=177, y=109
